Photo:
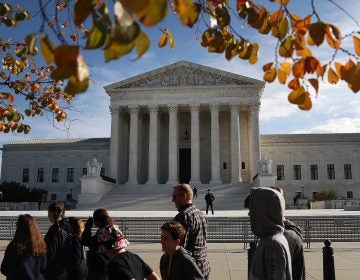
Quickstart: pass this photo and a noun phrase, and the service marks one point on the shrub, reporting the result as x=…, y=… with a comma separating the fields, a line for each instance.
x=326, y=194
x=16, y=192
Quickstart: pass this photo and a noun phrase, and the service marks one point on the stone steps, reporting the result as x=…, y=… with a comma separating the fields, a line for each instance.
x=158, y=197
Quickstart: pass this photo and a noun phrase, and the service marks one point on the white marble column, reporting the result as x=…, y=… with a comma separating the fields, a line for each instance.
x=215, y=144
x=195, y=145
x=133, y=145
x=114, y=144
x=235, y=144
x=153, y=145
x=173, y=144
x=254, y=140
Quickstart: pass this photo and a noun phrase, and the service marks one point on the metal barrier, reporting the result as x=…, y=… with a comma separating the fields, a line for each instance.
x=234, y=229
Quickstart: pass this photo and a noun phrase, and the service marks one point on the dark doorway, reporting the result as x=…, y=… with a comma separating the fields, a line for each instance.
x=184, y=165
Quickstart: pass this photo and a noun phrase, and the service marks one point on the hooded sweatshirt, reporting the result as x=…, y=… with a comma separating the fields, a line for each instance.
x=271, y=260
x=183, y=267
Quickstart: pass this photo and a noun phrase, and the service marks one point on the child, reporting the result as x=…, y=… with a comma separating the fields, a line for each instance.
x=73, y=265
x=176, y=263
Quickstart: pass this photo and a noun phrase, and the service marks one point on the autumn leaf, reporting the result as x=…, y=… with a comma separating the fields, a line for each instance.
x=75, y=87
x=66, y=62
x=97, y=36
x=286, y=48
x=294, y=84
x=317, y=32
x=115, y=50
x=47, y=49
x=135, y=6
x=188, y=12
x=282, y=76
x=163, y=40
x=267, y=66
x=142, y=44
x=222, y=16
x=307, y=105
x=270, y=75
x=30, y=41
x=338, y=67
x=333, y=36
x=82, y=10
x=332, y=76
x=153, y=13
x=301, y=26
x=315, y=84
x=254, y=53
x=312, y=64
x=298, y=69
x=356, y=41
x=297, y=96
x=286, y=67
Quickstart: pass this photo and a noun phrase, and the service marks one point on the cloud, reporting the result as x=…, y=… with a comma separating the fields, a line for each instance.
x=341, y=125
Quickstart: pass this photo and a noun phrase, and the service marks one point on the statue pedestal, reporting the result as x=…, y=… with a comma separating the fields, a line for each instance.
x=265, y=180
x=92, y=189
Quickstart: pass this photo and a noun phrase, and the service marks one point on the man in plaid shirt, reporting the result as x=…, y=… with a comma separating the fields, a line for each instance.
x=195, y=224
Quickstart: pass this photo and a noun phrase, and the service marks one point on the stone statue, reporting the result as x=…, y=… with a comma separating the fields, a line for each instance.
x=265, y=166
x=94, y=168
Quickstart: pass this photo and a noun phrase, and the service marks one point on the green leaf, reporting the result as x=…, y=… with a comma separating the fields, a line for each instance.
x=142, y=44
x=97, y=36
x=135, y=6
x=30, y=41
x=74, y=86
x=47, y=49
x=116, y=49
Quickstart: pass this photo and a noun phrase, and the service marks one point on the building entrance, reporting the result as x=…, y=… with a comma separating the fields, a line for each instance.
x=184, y=165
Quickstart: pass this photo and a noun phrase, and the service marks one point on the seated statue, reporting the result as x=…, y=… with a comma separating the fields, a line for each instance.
x=93, y=168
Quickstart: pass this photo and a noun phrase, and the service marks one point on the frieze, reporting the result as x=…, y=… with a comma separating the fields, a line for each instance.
x=184, y=76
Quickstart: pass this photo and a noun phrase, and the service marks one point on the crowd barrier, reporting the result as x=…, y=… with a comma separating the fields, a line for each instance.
x=220, y=230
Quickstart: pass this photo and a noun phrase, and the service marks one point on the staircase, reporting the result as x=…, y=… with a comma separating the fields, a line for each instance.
x=158, y=197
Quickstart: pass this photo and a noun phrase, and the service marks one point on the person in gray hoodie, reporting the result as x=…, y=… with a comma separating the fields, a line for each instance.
x=271, y=260
x=176, y=263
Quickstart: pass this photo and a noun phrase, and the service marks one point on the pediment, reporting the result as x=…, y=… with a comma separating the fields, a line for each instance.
x=184, y=74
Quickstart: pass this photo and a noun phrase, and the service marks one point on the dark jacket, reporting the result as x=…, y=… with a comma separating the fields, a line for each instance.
x=73, y=265
x=17, y=266
x=183, y=267
x=209, y=198
x=55, y=240
x=293, y=235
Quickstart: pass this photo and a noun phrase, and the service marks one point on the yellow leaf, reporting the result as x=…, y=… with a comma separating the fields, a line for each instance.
x=97, y=36
x=30, y=41
x=142, y=44
x=153, y=13
x=276, y=17
x=47, y=49
x=356, y=41
x=162, y=41
x=280, y=29
x=283, y=2
x=270, y=75
x=125, y=34
x=286, y=67
x=170, y=38
x=305, y=52
x=282, y=76
x=301, y=26
x=115, y=50
x=188, y=12
x=332, y=76
x=254, y=53
x=333, y=36
x=286, y=48
x=74, y=86
x=297, y=96
x=315, y=84
x=338, y=67
x=317, y=32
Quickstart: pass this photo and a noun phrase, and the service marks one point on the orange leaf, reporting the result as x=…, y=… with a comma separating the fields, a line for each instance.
x=317, y=32
x=276, y=17
x=321, y=71
x=286, y=68
x=294, y=84
x=305, y=52
x=315, y=84
x=10, y=97
x=307, y=105
x=298, y=69
x=332, y=76
x=282, y=76
x=301, y=25
x=297, y=96
x=338, y=67
x=270, y=75
x=333, y=36
x=356, y=45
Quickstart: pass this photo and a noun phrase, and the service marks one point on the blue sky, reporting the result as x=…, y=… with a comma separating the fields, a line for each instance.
x=335, y=109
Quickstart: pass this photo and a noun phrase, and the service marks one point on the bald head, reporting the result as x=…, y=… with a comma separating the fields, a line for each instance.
x=182, y=195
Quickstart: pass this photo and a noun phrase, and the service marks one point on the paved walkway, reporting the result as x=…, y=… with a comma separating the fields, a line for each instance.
x=229, y=260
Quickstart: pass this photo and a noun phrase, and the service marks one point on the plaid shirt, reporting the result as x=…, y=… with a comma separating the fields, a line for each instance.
x=195, y=224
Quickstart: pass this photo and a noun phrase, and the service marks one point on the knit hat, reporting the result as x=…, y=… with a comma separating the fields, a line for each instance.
x=111, y=237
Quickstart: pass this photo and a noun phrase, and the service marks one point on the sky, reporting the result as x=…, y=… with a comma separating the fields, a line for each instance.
x=335, y=108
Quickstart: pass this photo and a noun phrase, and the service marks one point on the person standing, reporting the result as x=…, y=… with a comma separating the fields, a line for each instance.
x=25, y=256
x=195, y=224
x=272, y=259
x=209, y=198
x=176, y=263
x=55, y=239
x=195, y=191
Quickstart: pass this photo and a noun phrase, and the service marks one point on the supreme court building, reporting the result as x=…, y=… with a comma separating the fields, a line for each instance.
x=187, y=123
